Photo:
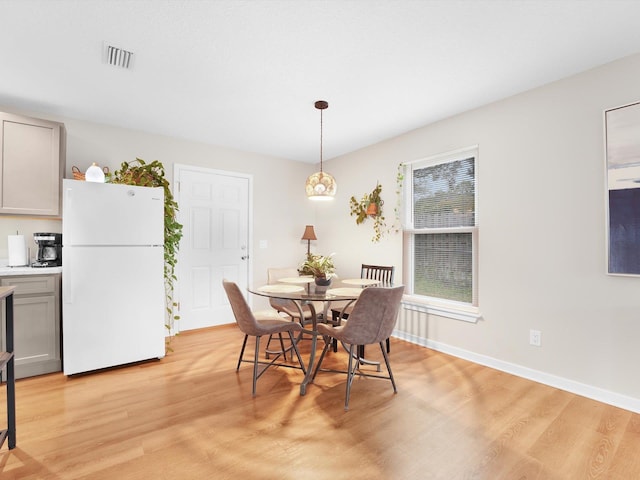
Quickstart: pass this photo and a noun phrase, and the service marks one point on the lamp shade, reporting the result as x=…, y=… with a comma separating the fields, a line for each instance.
x=94, y=174
x=309, y=234
x=321, y=186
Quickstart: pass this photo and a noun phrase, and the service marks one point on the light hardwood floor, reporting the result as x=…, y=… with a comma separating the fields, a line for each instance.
x=191, y=416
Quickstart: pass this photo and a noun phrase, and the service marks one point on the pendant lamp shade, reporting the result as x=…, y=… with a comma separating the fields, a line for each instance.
x=321, y=185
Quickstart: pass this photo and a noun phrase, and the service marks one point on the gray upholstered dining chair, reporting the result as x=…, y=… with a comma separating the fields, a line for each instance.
x=287, y=307
x=374, y=272
x=371, y=321
x=256, y=326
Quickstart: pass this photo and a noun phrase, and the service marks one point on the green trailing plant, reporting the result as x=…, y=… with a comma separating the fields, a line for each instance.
x=397, y=210
x=152, y=174
x=370, y=206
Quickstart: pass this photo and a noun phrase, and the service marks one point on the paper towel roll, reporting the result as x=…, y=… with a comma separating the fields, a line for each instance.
x=17, y=249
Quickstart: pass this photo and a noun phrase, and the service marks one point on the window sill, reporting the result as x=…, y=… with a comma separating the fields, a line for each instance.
x=457, y=311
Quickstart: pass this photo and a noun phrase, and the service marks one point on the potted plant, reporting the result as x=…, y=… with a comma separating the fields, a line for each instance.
x=370, y=206
x=320, y=267
x=374, y=201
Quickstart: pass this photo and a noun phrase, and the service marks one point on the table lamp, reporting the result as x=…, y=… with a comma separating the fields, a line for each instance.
x=309, y=235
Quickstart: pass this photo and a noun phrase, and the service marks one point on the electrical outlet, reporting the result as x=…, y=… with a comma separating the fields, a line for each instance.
x=535, y=338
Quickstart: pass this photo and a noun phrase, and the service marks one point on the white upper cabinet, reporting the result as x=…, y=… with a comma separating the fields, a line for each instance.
x=32, y=161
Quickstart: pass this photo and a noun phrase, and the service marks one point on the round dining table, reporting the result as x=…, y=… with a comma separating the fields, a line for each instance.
x=303, y=291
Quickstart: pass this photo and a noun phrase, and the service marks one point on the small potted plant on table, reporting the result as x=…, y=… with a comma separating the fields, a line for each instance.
x=320, y=267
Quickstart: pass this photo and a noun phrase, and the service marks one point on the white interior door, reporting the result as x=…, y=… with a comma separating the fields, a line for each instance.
x=214, y=211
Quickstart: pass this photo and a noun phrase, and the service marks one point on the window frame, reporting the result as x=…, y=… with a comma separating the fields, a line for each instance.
x=458, y=310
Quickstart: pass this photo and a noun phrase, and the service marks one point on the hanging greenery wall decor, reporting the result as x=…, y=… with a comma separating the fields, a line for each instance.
x=397, y=223
x=152, y=174
x=370, y=205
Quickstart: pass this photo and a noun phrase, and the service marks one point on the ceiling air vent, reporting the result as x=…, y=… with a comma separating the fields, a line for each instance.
x=119, y=57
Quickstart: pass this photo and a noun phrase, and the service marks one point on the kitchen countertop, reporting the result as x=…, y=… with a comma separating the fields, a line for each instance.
x=6, y=271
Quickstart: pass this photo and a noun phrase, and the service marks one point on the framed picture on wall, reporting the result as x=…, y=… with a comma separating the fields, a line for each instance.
x=622, y=132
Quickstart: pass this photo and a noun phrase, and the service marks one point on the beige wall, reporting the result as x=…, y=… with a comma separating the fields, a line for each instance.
x=542, y=235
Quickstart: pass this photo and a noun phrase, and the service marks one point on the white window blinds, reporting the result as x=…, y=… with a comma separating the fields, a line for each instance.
x=443, y=227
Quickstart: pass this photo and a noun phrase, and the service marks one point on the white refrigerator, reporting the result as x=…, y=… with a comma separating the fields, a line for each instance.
x=113, y=310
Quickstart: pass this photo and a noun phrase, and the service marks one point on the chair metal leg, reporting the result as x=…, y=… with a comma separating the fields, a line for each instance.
x=350, y=374
x=284, y=350
x=255, y=365
x=335, y=318
x=257, y=371
x=244, y=344
x=266, y=349
x=386, y=361
x=268, y=352
x=388, y=346
x=353, y=368
x=327, y=345
x=295, y=349
x=359, y=355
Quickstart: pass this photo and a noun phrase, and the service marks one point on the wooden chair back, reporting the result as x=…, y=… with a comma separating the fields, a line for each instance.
x=378, y=272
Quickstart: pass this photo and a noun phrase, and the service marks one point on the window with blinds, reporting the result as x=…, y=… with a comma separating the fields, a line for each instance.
x=442, y=227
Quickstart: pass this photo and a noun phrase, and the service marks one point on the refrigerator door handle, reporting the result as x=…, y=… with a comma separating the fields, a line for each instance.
x=68, y=202
x=67, y=290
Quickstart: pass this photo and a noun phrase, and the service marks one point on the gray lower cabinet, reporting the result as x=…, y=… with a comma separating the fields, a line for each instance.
x=36, y=306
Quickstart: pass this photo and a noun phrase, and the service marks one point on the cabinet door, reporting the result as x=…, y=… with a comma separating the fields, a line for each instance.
x=36, y=313
x=37, y=343
x=30, y=176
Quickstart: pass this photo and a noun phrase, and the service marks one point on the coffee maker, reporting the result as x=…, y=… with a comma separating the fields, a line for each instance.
x=49, y=249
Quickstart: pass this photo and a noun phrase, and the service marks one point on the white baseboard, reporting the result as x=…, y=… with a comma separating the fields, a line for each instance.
x=594, y=393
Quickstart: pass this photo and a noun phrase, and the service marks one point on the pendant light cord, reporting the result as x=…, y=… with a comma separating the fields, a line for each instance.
x=321, y=141
x=321, y=105
x=321, y=186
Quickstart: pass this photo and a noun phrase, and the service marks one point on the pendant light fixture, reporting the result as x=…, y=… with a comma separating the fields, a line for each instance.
x=321, y=185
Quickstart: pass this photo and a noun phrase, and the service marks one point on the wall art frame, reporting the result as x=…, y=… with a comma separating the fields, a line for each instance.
x=622, y=152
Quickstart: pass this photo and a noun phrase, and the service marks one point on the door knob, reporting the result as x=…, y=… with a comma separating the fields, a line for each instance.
x=244, y=257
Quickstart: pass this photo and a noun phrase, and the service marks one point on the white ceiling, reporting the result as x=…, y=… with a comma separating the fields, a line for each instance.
x=245, y=74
